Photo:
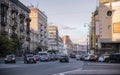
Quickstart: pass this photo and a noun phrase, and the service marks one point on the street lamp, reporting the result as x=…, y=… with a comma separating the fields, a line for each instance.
x=87, y=26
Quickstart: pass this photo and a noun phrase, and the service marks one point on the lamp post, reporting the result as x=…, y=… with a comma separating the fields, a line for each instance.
x=87, y=26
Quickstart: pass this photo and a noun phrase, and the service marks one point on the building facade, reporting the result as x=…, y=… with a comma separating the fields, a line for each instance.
x=15, y=21
x=39, y=25
x=52, y=38
x=68, y=45
x=60, y=45
x=110, y=26
x=106, y=27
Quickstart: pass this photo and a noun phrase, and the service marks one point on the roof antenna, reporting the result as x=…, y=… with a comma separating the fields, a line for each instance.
x=37, y=4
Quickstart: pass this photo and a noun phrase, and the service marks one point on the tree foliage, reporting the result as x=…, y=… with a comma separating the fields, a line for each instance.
x=8, y=45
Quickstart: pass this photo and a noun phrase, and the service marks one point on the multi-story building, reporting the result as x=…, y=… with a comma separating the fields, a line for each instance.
x=78, y=47
x=52, y=38
x=60, y=45
x=94, y=32
x=15, y=21
x=68, y=45
x=39, y=25
x=109, y=23
x=34, y=43
x=106, y=27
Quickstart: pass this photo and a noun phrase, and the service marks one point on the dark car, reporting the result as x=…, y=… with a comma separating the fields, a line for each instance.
x=113, y=58
x=10, y=58
x=72, y=55
x=64, y=58
x=29, y=58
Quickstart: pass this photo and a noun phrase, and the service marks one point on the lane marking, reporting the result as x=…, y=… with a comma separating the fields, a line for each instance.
x=64, y=73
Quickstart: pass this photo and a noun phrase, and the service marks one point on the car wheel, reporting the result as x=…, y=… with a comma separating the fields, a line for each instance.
x=14, y=61
x=67, y=60
x=5, y=62
x=60, y=61
x=109, y=61
x=26, y=62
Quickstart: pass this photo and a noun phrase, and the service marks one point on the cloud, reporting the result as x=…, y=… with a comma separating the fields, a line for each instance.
x=63, y=27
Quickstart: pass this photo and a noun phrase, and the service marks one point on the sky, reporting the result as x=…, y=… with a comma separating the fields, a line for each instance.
x=70, y=16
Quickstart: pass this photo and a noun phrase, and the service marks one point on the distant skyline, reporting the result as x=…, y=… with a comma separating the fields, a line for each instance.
x=69, y=16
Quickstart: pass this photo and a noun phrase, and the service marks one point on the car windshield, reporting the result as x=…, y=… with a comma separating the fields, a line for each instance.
x=10, y=56
x=42, y=54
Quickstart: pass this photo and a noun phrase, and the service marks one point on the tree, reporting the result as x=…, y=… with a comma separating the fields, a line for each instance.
x=6, y=45
x=15, y=40
x=39, y=48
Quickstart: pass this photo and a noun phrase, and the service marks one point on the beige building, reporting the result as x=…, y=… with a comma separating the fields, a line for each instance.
x=39, y=25
x=109, y=23
x=105, y=27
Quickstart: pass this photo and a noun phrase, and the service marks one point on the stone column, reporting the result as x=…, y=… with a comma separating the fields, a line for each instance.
x=28, y=20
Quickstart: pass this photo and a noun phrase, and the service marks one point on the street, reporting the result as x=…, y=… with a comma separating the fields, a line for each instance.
x=56, y=68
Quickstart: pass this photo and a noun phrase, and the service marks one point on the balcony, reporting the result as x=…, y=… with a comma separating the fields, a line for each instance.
x=4, y=32
x=3, y=23
x=28, y=38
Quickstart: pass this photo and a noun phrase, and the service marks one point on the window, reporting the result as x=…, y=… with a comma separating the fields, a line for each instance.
x=4, y=14
x=109, y=13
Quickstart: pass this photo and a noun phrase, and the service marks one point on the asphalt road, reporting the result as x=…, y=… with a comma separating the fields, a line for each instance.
x=40, y=68
x=74, y=67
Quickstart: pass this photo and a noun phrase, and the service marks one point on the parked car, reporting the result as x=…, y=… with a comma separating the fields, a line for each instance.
x=56, y=56
x=64, y=58
x=42, y=53
x=52, y=57
x=29, y=58
x=102, y=57
x=37, y=57
x=78, y=56
x=45, y=58
x=113, y=58
x=72, y=55
x=90, y=58
x=10, y=58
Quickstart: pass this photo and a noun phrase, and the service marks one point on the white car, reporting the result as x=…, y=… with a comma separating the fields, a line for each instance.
x=78, y=56
x=101, y=59
x=89, y=58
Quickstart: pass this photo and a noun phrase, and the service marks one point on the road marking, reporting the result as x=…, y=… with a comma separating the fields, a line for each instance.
x=59, y=74
x=64, y=73
x=91, y=72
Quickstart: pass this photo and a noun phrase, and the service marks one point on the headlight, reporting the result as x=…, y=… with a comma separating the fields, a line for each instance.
x=13, y=58
x=34, y=58
x=46, y=57
x=5, y=58
x=27, y=58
